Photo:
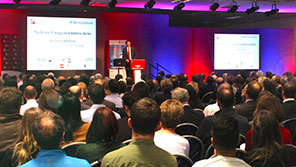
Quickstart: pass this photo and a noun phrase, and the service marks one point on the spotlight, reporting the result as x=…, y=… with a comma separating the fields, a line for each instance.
x=179, y=7
x=149, y=4
x=112, y=3
x=17, y=1
x=253, y=9
x=84, y=2
x=233, y=9
x=214, y=7
x=273, y=10
x=54, y=2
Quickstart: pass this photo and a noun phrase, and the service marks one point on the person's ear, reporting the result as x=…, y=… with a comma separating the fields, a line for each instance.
x=129, y=123
x=212, y=141
x=158, y=127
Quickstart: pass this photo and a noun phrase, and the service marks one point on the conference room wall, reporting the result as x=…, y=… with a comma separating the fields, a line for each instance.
x=188, y=50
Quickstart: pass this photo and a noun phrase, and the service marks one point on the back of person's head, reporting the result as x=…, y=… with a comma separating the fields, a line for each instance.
x=145, y=116
x=30, y=92
x=75, y=90
x=180, y=94
x=225, y=97
x=50, y=100
x=271, y=103
x=113, y=85
x=158, y=78
x=97, y=93
x=129, y=99
x=268, y=85
x=289, y=90
x=10, y=101
x=168, y=76
x=175, y=81
x=118, y=77
x=65, y=87
x=161, y=73
x=84, y=78
x=48, y=130
x=166, y=85
x=266, y=135
x=47, y=84
x=103, y=127
x=253, y=89
x=172, y=112
x=194, y=85
x=141, y=89
x=121, y=87
x=83, y=88
x=27, y=145
x=239, y=80
x=225, y=132
x=10, y=81
x=70, y=108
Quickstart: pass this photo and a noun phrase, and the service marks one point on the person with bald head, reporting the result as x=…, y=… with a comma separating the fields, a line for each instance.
x=225, y=101
x=30, y=95
x=48, y=131
x=247, y=108
x=47, y=84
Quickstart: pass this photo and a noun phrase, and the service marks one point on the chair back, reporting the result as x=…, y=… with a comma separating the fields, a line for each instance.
x=126, y=142
x=183, y=161
x=71, y=148
x=206, y=99
x=241, y=154
x=209, y=152
x=196, y=148
x=186, y=129
x=290, y=124
x=96, y=164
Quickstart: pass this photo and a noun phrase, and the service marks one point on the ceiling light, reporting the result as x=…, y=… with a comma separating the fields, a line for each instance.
x=84, y=2
x=17, y=1
x=54, y=2
x=112, y=3
x=253, y=9
x=179, y=7
x=214, y=7
x=273, y=10
x=149, y=4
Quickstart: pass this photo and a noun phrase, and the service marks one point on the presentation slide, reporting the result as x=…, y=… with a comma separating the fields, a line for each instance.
x=61, y=43
x=236, y=51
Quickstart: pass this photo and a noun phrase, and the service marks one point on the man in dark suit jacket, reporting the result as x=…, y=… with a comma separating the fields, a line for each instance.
x=225, y=100
x=289, y=103
x=190, y=116
x=247, y=108
x=128, y=53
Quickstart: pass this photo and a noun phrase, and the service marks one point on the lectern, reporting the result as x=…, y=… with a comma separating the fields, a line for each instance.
x=137, y=65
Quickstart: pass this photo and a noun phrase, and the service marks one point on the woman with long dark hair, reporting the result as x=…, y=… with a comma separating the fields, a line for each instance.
x=100, y=137
x=268, y=149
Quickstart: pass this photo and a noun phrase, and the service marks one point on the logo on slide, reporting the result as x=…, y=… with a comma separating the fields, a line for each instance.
x=32, y=21
x=71, y=21
x=61, y=65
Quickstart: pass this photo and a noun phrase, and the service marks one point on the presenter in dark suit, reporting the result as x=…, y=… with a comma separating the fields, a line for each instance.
x=128, y=53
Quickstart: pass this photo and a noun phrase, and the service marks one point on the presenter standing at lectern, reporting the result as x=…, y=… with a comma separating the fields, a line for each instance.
x=128, y=53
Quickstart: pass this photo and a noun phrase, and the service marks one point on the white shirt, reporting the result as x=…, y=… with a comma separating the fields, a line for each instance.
x=172, y=143
x=87, y=115
x=211, y=109
x=221, y=161
x=30, y=103
x=129, y=52
x=116, y=99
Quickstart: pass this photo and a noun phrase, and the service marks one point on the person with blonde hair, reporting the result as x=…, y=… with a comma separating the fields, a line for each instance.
x=27, y=148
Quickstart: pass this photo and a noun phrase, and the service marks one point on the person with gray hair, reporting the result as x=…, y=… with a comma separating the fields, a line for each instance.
x=47, y=84
x=190, y=116
x=166, y=87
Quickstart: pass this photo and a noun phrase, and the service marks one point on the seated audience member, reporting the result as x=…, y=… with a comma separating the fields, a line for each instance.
x=100, y=136
x=190, y=116
x=239, y=84
x=225, y=132
x=124, y=131
x=48, y=132
x=27, y=148
x=75, y=129
x=96, y=93
x=50, y=100
x=30, y=95
x=10, y=120
x=114, y=96
x=47, y=84
x=194, y=99
x=269, y=86
x=76, y=91
x=122, y=87
x=249, y=106
x=141, y=89
x=225, y=100
x=289, y=103
x=271, y=103
x=268, y=150
x=166, y=138
x=211, y=84
x=166, y=86
x=144, y=121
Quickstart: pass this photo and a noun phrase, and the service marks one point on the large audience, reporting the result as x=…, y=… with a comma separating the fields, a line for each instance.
x=247, y=119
